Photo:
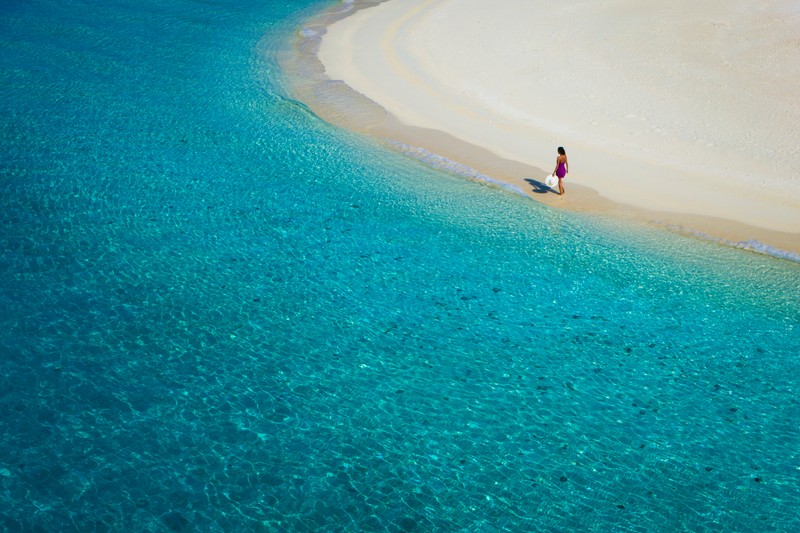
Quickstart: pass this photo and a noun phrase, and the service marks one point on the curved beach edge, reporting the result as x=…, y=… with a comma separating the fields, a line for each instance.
x=335, y=102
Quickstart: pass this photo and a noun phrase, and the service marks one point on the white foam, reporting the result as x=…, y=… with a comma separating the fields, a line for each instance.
x=442, y=163
x=758, y=247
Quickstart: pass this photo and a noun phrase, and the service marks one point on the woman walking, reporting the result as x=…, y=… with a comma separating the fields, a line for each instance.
x=562, y=168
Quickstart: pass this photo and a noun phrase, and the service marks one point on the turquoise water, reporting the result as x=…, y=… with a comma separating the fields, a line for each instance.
x=218, y=313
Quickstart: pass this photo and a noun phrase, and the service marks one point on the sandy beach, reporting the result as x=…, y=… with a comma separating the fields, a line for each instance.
x=679, y=114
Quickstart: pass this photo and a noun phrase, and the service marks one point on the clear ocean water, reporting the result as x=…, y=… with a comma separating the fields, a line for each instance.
x=219, y=313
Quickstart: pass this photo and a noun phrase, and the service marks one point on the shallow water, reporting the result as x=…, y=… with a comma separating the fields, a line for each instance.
x=221, y=314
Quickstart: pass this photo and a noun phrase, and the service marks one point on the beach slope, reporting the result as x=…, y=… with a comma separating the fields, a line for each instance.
x=684, y=113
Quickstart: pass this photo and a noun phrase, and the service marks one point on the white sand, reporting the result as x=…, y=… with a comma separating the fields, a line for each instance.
x=681, y=106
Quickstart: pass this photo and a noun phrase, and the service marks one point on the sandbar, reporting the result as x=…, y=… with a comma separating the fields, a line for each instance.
x=680, y=114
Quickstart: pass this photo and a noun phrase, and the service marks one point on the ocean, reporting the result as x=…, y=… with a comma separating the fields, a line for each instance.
x=220, y=313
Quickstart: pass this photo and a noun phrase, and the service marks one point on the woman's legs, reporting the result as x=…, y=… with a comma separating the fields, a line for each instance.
x=560, y=187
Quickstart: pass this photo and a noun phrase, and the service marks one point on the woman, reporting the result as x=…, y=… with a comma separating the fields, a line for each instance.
x=562, y=168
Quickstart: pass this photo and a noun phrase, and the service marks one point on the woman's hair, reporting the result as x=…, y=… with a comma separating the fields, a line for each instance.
x=561, y=150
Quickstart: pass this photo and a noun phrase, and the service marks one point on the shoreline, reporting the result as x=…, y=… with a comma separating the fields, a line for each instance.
x=337, y=103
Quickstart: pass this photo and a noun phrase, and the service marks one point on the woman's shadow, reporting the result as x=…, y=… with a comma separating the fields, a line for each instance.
x=539, y=187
